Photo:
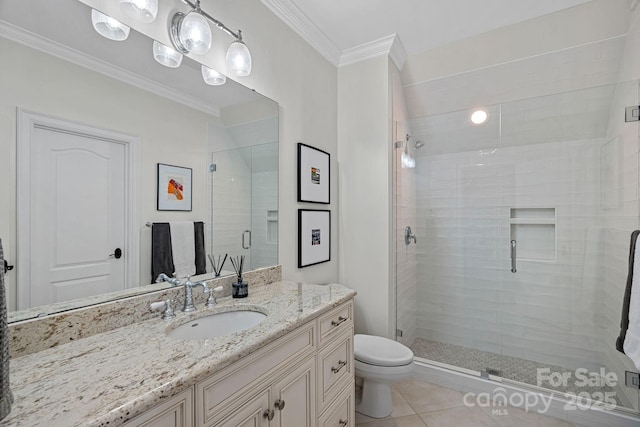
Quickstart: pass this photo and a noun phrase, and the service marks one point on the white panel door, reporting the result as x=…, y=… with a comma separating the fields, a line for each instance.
x=78, y=215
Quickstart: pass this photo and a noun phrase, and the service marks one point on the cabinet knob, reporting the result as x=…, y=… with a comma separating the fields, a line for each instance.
x=268, y=414
x=343, y=423
x=279, y=404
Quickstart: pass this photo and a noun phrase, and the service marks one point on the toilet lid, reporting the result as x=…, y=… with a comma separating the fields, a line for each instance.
x=381, y=351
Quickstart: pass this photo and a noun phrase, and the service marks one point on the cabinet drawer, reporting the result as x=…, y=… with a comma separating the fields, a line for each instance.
x=175, y=412
x=333, y=323
x=341, y=413
x=335, y=368
x=219, y=394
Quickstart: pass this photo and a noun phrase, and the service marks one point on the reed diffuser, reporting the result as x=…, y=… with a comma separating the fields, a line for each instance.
x=217, y=266
x=240, y=289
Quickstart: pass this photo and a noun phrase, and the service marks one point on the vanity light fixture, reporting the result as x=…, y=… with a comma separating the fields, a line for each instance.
x=142, y=10
x=165, y=55
x=191, y=33
x=212, y=77
x=108, y=27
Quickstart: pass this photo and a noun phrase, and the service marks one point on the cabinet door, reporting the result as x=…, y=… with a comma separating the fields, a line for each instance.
x=294, y=397
x=255, y=412
x=176, y=412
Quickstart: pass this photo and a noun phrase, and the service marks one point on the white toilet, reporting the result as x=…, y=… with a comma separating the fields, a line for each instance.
x=380, y=362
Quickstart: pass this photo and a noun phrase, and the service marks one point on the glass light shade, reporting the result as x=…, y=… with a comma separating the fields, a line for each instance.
x=165, y=55
x=239, y=59
x=212, y=77
x=108, y=27
x=195, y=33
x=142, y=10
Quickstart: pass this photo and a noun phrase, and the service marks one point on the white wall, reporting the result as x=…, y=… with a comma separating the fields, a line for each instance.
x=364, y=160
x=289, y=71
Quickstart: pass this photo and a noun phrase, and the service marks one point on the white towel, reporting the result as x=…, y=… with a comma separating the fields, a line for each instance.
x=183, y=248
x=632, y=339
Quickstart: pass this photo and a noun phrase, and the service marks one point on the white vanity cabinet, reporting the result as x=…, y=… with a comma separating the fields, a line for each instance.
x=303, y=379
x=175, y=412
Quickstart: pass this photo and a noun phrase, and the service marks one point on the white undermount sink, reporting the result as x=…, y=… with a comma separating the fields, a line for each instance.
x=217, y=325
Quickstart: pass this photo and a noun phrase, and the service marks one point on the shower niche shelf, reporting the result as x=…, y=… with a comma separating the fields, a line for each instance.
x=534, y=230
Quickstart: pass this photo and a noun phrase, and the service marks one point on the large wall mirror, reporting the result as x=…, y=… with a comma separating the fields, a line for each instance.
x=61, y=85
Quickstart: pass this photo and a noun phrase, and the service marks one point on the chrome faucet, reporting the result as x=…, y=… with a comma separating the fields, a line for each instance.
x=188, y=294
x=164, y=278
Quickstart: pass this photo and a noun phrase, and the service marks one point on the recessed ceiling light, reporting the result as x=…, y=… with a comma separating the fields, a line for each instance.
x=479, y=116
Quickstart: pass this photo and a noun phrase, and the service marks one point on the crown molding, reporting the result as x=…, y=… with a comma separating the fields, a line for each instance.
x=632, y=4
x=295, y=18
x=32, y=40
x=389, y=45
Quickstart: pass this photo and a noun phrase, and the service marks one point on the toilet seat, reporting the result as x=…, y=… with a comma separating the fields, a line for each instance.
x=379, y=351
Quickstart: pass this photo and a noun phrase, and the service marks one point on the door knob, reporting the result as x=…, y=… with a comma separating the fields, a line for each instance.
x=7, y=267
x=117, y=254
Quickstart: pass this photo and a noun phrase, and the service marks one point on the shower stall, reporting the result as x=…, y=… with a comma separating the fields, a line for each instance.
x=521, y=227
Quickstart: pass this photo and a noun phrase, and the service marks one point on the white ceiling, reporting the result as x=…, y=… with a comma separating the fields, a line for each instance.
x=335, y=26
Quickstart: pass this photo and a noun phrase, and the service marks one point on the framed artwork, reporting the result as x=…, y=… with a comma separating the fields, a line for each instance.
x=314, y=237
x=174, y=188
x=314, y=176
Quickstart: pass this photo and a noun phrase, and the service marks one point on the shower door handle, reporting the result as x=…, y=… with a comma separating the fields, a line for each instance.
x=513, y=256
x=244, y=245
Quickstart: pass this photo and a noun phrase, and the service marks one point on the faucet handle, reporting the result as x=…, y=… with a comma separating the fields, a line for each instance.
x=168, y=312
x=211, y=300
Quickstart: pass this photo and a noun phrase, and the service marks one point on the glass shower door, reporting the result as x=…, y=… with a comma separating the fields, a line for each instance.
x=522, y=227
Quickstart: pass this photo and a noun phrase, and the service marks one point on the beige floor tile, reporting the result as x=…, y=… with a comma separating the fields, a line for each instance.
x=426, y=397
x=516, y=417
x=408, y=421
x=400, y=408
x=462, y=416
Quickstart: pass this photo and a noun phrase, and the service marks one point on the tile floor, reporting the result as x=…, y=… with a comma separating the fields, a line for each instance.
x=513, y=368
x=419, y=404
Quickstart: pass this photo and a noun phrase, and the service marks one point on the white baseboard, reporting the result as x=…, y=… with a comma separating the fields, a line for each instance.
x=557, y=407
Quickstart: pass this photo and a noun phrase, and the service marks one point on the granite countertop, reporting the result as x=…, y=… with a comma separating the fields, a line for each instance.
x=109, y=378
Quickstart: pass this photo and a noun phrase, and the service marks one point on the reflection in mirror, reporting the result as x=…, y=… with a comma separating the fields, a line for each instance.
x=91, y=104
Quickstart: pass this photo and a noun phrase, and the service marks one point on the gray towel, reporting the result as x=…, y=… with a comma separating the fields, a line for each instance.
x=6, y=397
x=161, y=256
x=624, y=322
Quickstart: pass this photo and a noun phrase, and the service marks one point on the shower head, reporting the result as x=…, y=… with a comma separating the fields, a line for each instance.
x=417, y=142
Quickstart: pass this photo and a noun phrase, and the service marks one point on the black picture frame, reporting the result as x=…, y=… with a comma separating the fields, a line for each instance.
x=314, y=237
x=181, y=198
x=314, y=175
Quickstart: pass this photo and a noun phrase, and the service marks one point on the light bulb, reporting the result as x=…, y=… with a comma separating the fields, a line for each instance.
x=108, y=27
x=142, y=10
x=195, y=33
x=165, y=55
x=479, y=116
x=212, y=77
x=239, y=58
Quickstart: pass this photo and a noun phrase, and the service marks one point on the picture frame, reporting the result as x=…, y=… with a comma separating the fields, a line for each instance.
x=314, y=237
x=174, y=188
x=314, y=175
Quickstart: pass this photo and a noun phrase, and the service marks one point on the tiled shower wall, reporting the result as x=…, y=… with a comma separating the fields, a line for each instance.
x=468, y=296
